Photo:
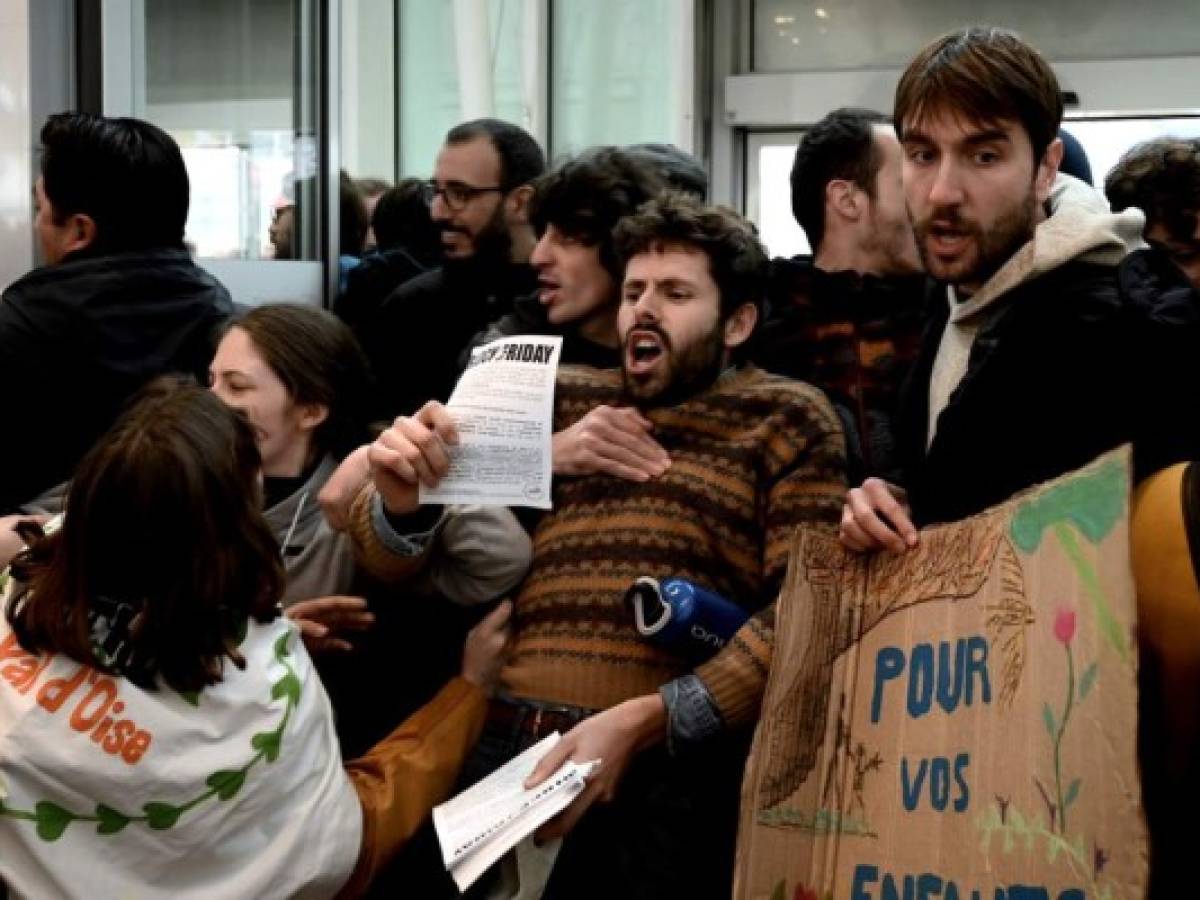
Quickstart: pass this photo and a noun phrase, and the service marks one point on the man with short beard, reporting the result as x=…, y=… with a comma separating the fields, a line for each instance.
x=574, y=209
x=478, y=198
x=1025, y=364
x=848, y=318
x=1020, y=376
x=753, y=456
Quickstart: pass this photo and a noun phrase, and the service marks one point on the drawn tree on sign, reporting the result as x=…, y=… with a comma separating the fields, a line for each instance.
x=863, y=766
x=860, y=762
x=850, y=598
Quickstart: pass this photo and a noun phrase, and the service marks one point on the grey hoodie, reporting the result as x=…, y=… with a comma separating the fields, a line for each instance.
x=476, y=552
x=1080, y=227
x=318, y=560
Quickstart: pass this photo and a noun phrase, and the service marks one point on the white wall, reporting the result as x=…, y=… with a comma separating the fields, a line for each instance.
x=780, y=65
x=16, y=143
x=1161, y=85
x=369, y=89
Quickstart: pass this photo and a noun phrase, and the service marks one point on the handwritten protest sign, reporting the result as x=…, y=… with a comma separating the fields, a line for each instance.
x=957, y=722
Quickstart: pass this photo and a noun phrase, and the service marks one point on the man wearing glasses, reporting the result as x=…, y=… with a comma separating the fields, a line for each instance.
x=478, y=198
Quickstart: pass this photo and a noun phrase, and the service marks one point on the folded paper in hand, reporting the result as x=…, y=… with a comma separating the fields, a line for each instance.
x=487, y=820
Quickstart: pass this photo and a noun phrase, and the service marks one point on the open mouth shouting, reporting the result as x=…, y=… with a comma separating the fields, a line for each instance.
x=644, y=349
x=947, y=237
x=548, y=290
x=947, y=240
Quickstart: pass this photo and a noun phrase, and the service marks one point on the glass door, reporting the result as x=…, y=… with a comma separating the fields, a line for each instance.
x=768, y=201
x=238, y=83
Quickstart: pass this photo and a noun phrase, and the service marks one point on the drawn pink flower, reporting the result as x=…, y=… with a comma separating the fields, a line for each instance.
x=1064, y=624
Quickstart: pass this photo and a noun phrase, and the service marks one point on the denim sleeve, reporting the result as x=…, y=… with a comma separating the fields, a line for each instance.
x=692, y=714
x=405, y=544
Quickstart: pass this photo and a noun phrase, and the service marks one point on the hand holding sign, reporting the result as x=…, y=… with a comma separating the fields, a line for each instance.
x=503, y=407
x=415, y=450
x=875, y=517
x=957, y=719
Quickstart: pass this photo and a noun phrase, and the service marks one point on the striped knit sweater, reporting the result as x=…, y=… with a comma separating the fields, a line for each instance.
x=753, y=457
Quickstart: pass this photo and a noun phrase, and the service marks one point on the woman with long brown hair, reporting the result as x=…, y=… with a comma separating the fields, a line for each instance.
x=162, y=730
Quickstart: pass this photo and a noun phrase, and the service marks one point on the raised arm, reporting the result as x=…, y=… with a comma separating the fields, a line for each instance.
x=468, y=553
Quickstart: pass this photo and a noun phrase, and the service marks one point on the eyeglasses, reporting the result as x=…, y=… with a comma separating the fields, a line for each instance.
x=455, y=194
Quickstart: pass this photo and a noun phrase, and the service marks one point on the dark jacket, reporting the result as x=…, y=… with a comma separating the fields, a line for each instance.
x=77, y=339
x=528, y=316
x=1167, y=310
x=854, y=337
x=1047, y=389
x=370, y=283
x=1036, y=365
x=414, y=343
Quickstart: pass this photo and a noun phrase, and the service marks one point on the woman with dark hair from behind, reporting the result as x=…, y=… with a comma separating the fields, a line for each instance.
x=164, y=732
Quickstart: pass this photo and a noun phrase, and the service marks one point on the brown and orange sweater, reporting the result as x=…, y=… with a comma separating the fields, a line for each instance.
x=753, y=457
x=853, y=336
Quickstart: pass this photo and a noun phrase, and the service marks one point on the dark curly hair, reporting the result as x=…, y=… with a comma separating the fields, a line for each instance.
x=585, y=197
x=736, y=257
x=1161, y=178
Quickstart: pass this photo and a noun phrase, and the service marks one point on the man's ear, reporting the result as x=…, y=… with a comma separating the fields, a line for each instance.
x=1047, y=170
x=844, y=198
x=80, y=232
x=740, y=325
x=516, y=204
